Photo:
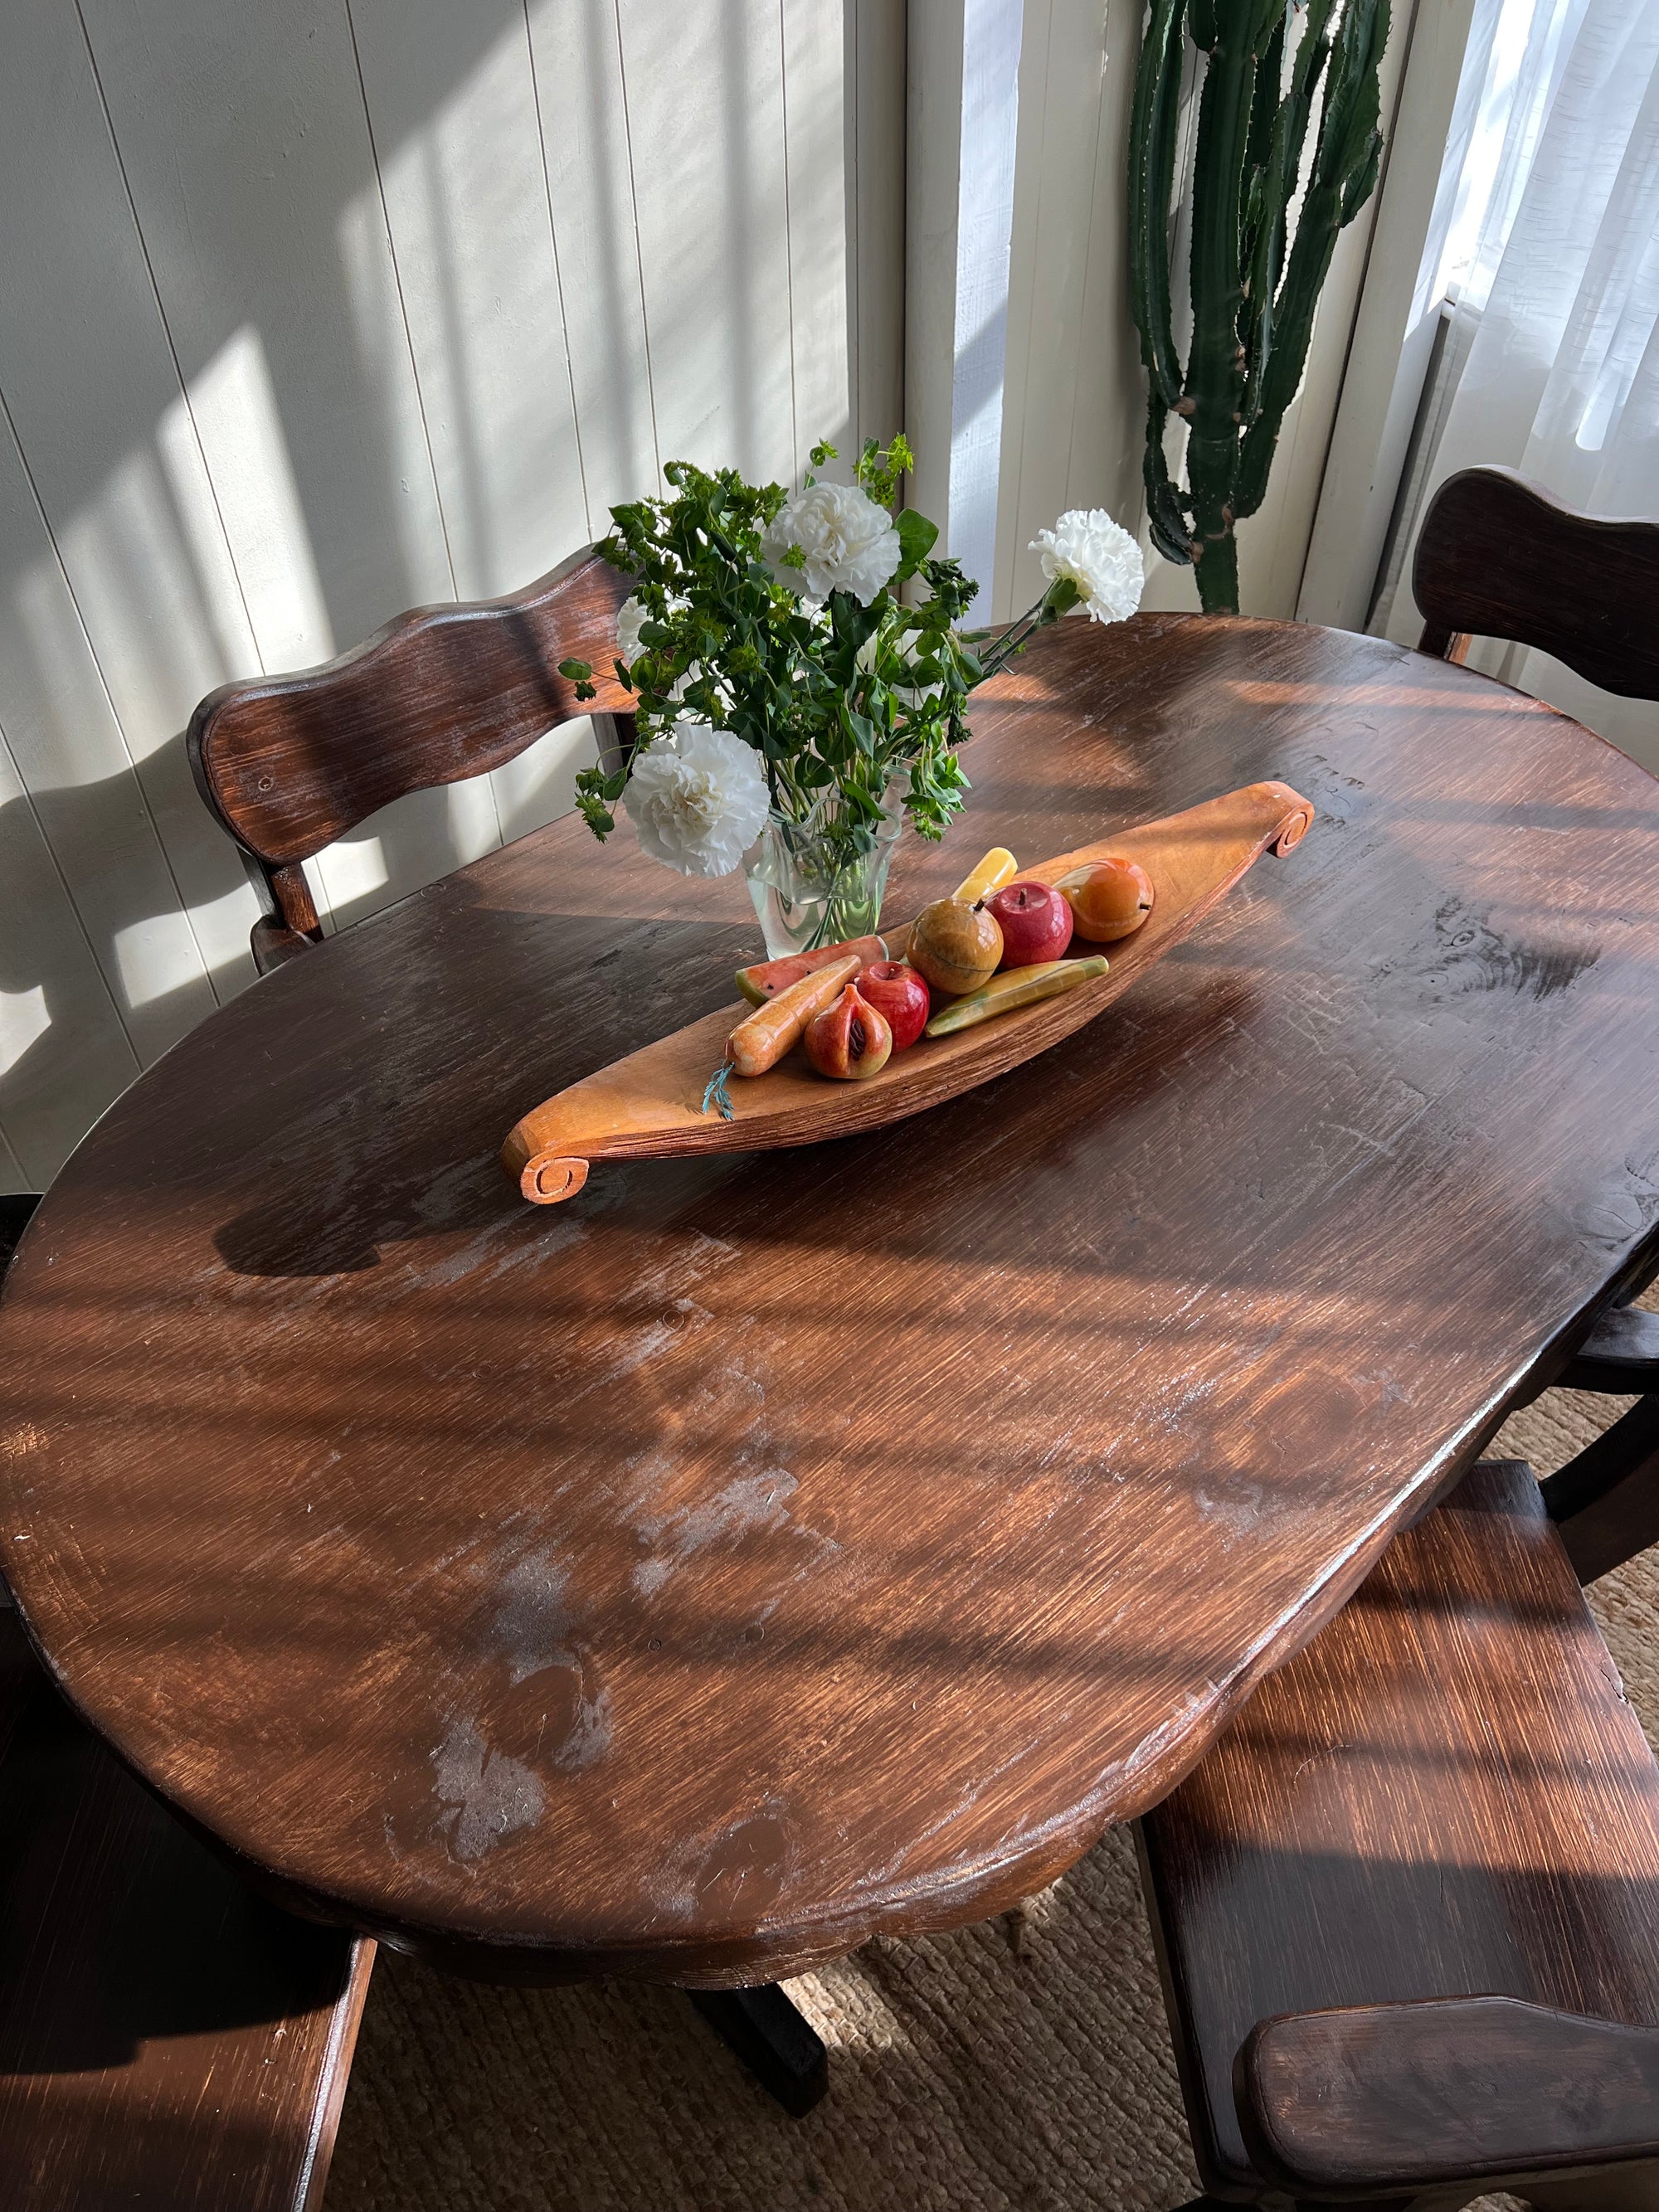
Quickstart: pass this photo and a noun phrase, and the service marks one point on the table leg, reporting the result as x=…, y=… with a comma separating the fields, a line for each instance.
x=773, y=2041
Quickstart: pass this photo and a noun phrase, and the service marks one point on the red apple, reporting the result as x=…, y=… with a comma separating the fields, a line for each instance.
x=895, y=989
x=849, y=1038
x=1036, y=923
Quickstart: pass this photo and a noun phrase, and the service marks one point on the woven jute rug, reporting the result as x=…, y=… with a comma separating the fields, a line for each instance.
x=1023, y=2063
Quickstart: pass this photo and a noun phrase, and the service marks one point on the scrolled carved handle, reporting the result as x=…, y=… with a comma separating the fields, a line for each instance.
x=548, y=1178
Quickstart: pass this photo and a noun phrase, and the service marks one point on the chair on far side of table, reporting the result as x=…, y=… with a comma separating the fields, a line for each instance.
x=288, y=764
x=169, y=2042
x=1498, y=558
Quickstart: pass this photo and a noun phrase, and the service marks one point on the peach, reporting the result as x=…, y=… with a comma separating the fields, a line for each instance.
x=1109, y=899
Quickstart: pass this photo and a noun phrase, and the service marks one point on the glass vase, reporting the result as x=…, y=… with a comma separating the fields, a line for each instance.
x=804, y=897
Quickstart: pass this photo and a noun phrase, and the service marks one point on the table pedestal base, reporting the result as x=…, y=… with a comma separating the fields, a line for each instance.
x=773, y=2041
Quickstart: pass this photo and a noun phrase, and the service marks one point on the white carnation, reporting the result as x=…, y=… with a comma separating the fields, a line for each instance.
x=849, y=543
x=698, y=800
x=631, y=618
x=1099, y=557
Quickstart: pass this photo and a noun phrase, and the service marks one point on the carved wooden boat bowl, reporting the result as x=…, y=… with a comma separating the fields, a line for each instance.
x=651, y=1104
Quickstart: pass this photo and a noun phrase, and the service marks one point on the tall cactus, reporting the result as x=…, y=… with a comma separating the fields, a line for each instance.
x=1252, y=300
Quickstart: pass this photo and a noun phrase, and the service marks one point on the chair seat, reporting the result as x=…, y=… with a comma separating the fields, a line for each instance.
x=1445, y=1796
x=168, y=2041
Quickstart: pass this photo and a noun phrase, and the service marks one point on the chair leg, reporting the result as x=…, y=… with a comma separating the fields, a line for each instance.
x=1605, y=1501
x=772, y=2038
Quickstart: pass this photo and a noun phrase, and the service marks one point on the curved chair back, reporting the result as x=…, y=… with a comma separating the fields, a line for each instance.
x=1498, y=558
x=288, y=764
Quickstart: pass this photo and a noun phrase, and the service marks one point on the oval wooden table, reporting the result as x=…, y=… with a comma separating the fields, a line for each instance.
x=762, y=1551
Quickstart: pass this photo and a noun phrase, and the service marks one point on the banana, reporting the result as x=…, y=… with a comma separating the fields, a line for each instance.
x=1016, y=986
x=998, y=867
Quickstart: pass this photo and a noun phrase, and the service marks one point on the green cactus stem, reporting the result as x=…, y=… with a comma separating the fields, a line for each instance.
x=1254, y=286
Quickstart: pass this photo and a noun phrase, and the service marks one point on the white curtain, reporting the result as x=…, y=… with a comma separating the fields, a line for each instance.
x=1557, y=320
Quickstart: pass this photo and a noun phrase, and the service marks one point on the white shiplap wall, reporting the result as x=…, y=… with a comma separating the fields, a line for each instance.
x=321, y=309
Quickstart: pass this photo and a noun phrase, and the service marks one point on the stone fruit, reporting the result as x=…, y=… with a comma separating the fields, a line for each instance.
x=899, y=994
x=1109, y=899
x=768, y=977
x=761, y=1039
x=955, y=947
x=1016, y=986
x=1036, y=922
x=849, y=1039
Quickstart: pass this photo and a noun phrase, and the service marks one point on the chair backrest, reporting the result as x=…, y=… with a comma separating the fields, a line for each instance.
x=288, y=764
x=1498, y=558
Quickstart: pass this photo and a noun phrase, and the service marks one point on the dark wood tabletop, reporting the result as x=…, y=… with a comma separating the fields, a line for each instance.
x=763, y=1550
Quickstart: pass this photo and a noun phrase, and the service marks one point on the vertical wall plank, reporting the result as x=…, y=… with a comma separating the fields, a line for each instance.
x=705, y=122
x=63, y=1053
x=875, y=107
x=459, y=155
x=814, y=70
x=1073, y=411
x=246, y=147
x=67, y=749
x=577, y=60
x=458, y=145
x=94, y=395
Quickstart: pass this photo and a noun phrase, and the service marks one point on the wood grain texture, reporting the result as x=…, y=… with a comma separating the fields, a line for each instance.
x=1498, y=558
x=1398, y=2096
x=289, y=763
x=168, y=2041
x=1445, y=1796
x=651, y=1105
x=762, y=1550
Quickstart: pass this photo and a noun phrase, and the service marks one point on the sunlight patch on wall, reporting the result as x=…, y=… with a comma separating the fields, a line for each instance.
x=466, y=202
x=354, y=868
x=23, y=1018
x=140, y=594
x=154, y=957
x=234, y=402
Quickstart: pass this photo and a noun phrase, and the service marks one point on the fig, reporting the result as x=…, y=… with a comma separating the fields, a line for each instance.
x=897, y=992
x=1109, y=899
x=850, y=1040
x=957, y=946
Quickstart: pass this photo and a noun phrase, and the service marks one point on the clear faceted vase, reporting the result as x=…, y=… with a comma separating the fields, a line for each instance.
x=803, y=895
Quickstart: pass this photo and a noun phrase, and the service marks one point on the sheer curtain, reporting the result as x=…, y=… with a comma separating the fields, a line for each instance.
x=1556, y=321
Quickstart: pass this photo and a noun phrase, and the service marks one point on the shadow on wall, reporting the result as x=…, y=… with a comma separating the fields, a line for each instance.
x=399, y=278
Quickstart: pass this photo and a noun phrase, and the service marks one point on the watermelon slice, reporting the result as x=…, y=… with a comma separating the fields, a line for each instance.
x=768, y=977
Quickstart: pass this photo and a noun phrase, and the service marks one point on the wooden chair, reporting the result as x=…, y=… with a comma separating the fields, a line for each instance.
x=1408, y=1906
x=288, y=764
x=1498, y=558
x=168, y=2041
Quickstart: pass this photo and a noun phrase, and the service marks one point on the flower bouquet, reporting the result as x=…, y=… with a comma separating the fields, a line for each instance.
x=793, y=710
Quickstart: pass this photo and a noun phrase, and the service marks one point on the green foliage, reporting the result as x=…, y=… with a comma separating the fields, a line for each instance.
x=1253, y=287
x=844, y=698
